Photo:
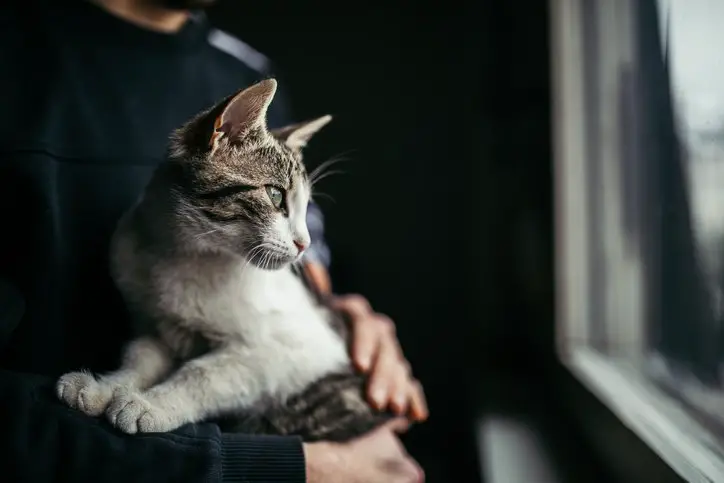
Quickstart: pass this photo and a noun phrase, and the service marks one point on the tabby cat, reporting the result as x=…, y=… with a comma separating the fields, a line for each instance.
x=225, y=328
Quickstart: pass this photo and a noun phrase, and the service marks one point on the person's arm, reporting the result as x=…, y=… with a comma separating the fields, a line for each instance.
x=318, y=256
x=44, y=441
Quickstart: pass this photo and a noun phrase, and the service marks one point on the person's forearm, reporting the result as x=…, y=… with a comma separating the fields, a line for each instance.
x=44, y=441
x=319, y=277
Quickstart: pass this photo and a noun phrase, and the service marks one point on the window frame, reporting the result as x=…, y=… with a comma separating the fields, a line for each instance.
x=607, y=353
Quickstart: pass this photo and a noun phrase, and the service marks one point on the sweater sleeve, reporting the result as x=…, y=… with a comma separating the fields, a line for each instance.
x=46, y=441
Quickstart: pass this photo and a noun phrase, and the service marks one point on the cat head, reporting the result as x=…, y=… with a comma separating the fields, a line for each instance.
x=244, y=186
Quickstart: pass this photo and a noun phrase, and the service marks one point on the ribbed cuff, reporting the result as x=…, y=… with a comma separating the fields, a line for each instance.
x=262, y=459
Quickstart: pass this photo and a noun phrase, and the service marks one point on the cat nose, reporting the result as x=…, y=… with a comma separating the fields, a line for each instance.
x=300, y=245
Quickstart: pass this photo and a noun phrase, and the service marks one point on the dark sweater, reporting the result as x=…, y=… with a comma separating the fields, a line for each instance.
x=88, y=102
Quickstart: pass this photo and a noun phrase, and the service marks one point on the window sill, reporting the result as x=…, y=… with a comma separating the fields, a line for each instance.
x=658, y=419
x=512, y=452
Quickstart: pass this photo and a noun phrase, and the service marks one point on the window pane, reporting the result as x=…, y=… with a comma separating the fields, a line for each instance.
x=639, y=114
x=688, y=337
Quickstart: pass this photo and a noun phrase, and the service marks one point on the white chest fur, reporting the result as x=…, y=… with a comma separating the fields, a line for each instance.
x=283, y=335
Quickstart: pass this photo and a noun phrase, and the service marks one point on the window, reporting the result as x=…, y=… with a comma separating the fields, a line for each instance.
x=638, y=96
x=690, y=342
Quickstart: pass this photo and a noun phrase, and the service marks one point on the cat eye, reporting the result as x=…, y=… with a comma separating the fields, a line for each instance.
x=276, y=195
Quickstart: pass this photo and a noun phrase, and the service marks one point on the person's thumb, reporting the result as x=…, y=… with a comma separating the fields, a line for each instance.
x=398, y=425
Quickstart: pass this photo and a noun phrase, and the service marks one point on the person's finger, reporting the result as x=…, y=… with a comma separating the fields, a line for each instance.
x=398, y=425
x=404, y=467
x=382, y=375
x=365, y=331
x=355, y=305
x=419, y=473
x=402, y=388
x=365, y=343
x=412, y=470
x=418, y=403
x=401, y=470
x=380, y=344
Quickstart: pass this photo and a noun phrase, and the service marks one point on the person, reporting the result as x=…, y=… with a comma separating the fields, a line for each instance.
x=91, y=91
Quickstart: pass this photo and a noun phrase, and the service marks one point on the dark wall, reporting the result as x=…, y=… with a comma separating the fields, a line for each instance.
x=442, y=218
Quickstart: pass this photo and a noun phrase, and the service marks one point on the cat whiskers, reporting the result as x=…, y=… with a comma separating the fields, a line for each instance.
x=255, y=251
x=317, y=194
x=322, y=171
x=267, y=260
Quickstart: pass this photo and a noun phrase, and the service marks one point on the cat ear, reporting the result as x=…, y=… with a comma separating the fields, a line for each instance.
x=296, y=136
x=245, y=112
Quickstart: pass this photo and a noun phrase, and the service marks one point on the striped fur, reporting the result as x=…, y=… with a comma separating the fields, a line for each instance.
x=224, y=327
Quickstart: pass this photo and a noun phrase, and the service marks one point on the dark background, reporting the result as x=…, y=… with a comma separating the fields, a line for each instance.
x=445, y=201
x=443, y=218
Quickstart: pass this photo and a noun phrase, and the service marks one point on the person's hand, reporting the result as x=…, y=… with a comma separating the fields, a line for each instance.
x=377, y=457
x=376, y=351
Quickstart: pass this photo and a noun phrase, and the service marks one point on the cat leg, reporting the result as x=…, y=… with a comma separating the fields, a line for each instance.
x=331, y=409
x=331, y=421
x=209, y=385
x=145, y=361
x=345, y=427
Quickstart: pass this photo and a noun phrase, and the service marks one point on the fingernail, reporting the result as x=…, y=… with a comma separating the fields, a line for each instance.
x=418, y=414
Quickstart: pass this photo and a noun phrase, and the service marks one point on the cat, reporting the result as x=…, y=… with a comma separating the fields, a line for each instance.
x=225, y=329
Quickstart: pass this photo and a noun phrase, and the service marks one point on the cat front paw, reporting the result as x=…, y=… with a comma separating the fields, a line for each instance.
x=132, y=412
x=82, y=391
